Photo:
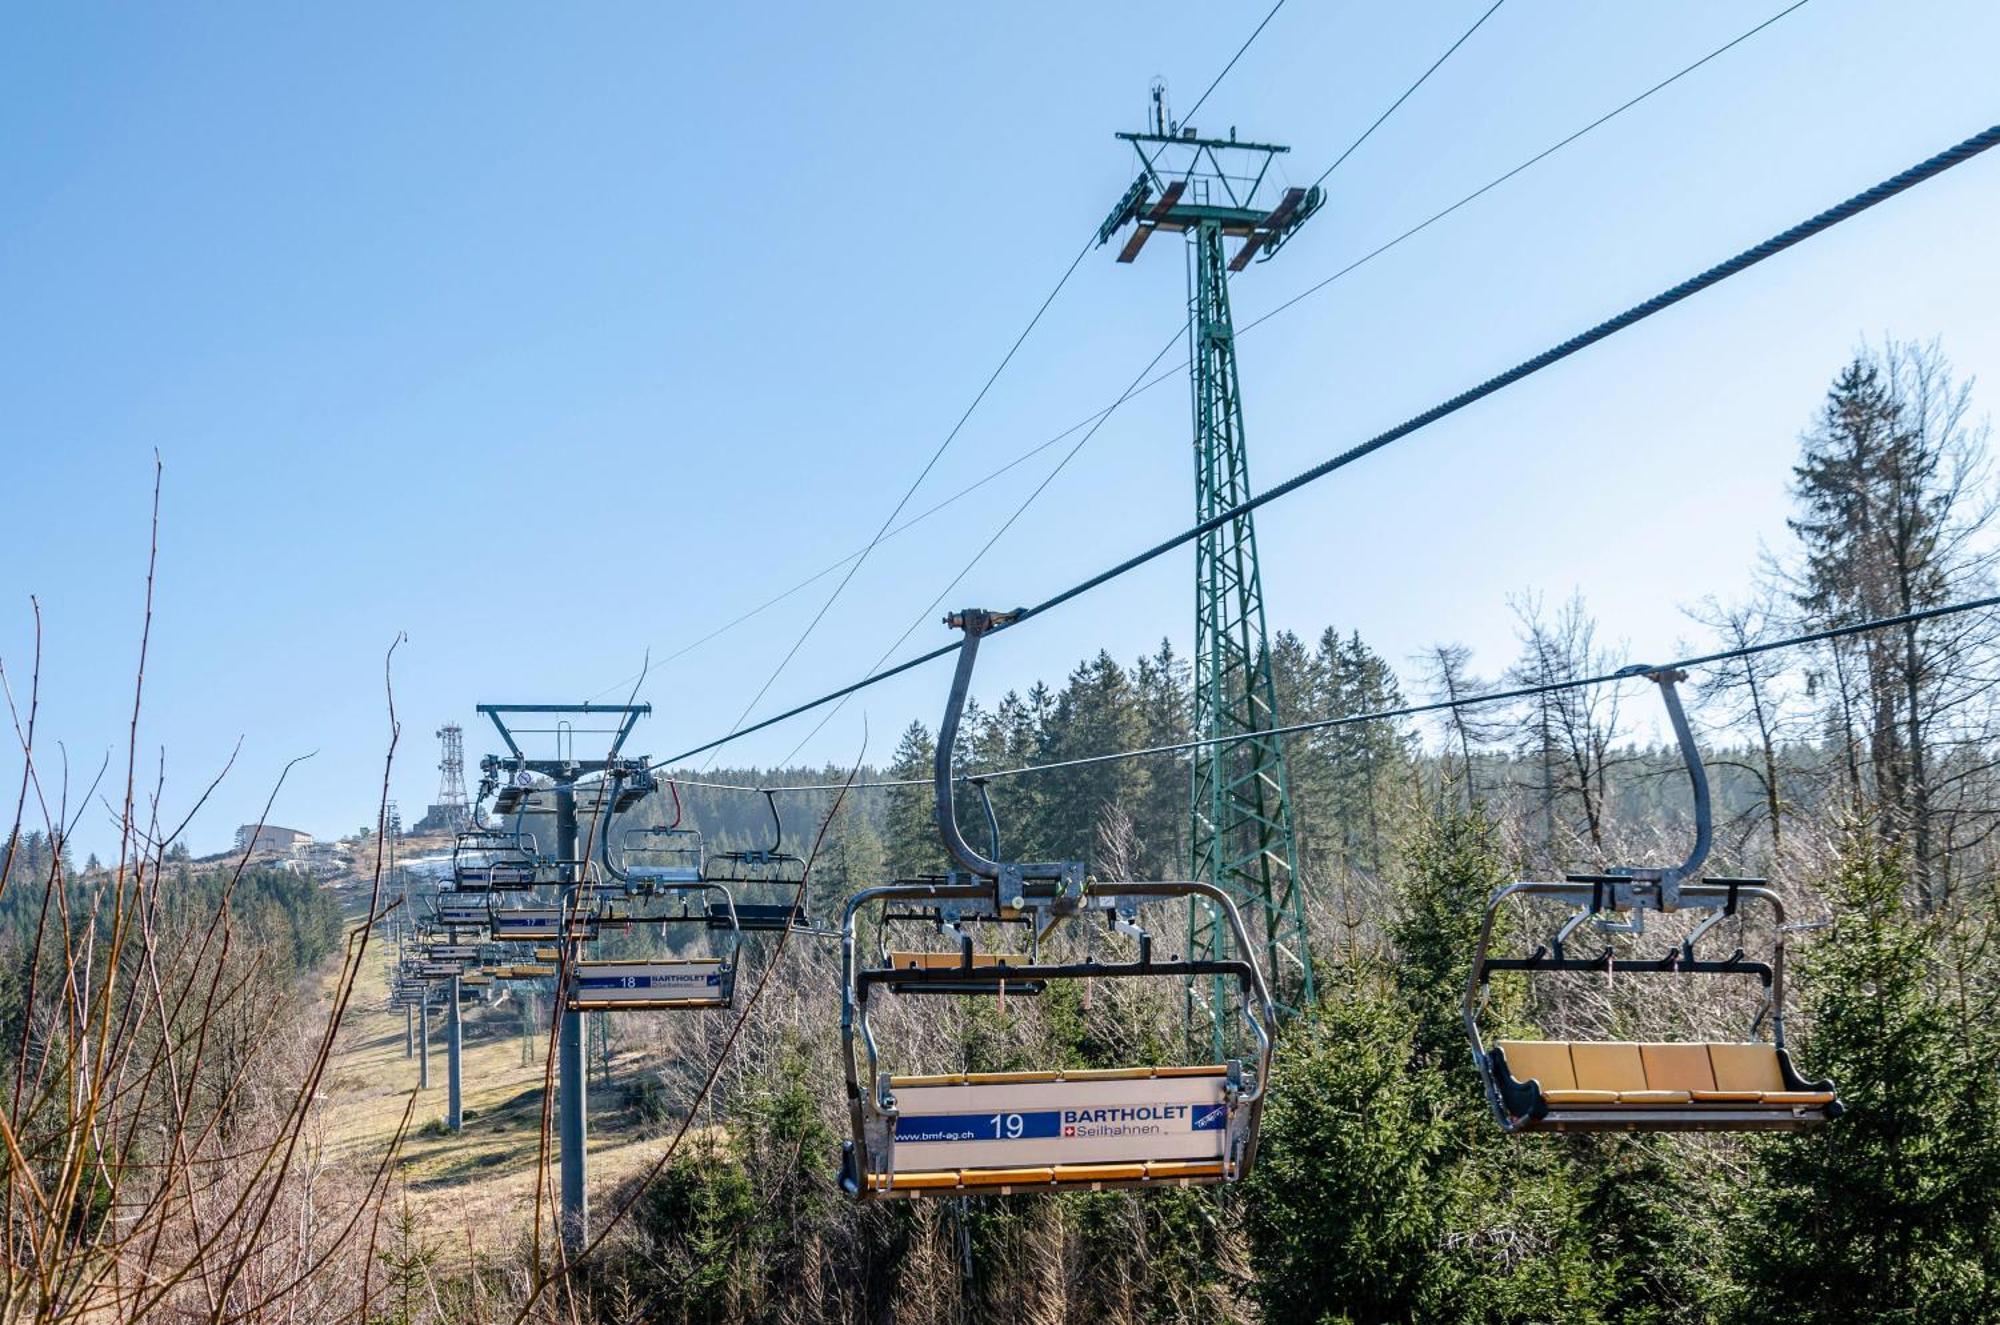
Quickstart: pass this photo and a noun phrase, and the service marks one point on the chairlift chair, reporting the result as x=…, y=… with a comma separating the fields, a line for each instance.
x=547, y=920
x=765, y=868
x=1002, y=1133
x=652, y=858
x=579, y=917
x=663, y=983
x=1597, y=1086
x=658, y=857
x=460, y=910
x=487, y=859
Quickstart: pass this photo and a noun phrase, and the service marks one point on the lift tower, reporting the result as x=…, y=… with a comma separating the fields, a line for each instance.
x=1216, y=192
x=618, y=781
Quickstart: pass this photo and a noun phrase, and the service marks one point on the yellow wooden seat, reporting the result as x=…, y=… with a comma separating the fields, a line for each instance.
x=931, y=1180
x=1166, y=1172
x=1677, y=1067
x=1547, y=1063
x=1616, y=1074
x=1748, y=1067
x=1614, y=1066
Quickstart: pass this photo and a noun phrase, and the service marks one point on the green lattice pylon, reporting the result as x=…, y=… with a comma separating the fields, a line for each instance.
x=1240, y=822
x=1240, y=827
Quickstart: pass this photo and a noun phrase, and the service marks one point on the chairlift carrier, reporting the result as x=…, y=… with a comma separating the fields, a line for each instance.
x=677, y=857
x=460, y=910
x=1001, y=1133
x=1559, y=1086
x=579, y=920
x=488, y=859
x=662, y=984
x=770, y=867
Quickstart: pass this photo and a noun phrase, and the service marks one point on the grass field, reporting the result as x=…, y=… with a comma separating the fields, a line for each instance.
x=483, y=1178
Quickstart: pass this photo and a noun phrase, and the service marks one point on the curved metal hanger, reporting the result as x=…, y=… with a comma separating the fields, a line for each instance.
x=976, y=623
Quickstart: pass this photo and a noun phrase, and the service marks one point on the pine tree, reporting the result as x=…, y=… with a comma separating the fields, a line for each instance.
x=1345, y=1205
x=1370, y=760
x=1451, y=866
x=1097, y=711
x=1160, y=814
x=911, y=835
x=1890, y=1211
x=1892, y=507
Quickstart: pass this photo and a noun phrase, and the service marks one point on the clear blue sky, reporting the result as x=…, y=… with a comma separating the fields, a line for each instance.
x=550, y=335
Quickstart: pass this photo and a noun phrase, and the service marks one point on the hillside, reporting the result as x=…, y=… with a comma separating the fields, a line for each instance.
x=479, y=1184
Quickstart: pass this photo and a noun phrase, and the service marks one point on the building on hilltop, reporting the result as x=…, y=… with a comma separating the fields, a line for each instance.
x=271, y=837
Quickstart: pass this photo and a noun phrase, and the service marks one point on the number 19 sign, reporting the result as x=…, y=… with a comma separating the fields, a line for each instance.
x=1056, y=1121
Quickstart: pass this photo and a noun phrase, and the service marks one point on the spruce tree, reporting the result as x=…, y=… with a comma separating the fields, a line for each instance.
x=911, y=835
x=1889, y=1212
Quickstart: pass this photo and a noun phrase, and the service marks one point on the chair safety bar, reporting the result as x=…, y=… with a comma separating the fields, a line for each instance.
x=665, y=983
x=487, y=858
x=460, y=910
x=920, y=1136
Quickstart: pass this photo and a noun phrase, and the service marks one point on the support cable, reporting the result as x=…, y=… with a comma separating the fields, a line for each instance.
x=1411, y=90
x=1131, y=390
x=1247, y=327
x=1216, y=82
x=1139, y=382
x=882, y=530
x=1410, y=710
x=1936, y=165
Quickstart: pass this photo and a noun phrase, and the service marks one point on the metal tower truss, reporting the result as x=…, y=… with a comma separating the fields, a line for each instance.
x=453, y=807
x=1240, y=814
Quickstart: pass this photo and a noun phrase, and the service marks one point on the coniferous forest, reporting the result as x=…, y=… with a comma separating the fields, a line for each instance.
x=161, y=1150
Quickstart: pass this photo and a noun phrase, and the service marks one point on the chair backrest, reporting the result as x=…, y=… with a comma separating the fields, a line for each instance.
x=1615, y=1065
x=1746, y=1067
x=1544, y=1061
x=1619, y=1066
x=1677, y=1067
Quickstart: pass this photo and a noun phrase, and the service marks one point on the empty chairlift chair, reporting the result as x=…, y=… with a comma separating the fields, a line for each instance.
x=488, y=860
x=577, y=913
x=998, y=1133
x=648, y=860
x=460, y=910
x=767, y=883
x=1595, y=1086
x=663, y=982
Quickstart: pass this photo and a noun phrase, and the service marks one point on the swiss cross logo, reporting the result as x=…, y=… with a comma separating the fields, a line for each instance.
x=1069, y=1131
